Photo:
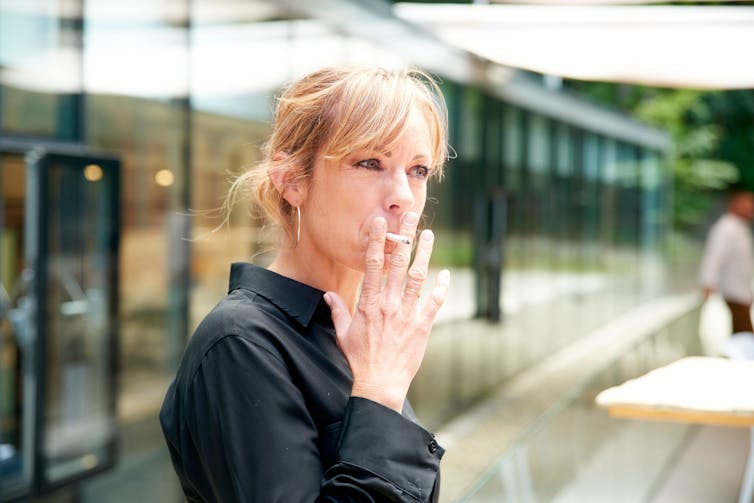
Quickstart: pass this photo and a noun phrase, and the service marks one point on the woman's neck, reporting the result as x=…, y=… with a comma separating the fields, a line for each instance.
x=322, y=274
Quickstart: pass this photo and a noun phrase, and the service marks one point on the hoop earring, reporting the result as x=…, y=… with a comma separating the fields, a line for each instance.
x=298, y=226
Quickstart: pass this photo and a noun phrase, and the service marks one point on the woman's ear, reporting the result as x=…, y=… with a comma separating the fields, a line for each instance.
x=284, y=180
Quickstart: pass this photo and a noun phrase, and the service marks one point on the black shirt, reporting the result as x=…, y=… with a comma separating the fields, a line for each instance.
x=260, y=410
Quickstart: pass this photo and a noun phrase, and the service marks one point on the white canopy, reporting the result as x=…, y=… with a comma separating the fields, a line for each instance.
x=706, y=47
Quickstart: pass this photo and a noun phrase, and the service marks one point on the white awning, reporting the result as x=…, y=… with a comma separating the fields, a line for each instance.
x=706, y=47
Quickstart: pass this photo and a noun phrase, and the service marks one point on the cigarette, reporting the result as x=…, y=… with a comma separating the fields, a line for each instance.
x=397, y=238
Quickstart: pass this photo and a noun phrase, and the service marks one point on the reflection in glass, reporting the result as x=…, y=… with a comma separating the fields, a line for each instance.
x=78, y=422
x=538, y=168
x=15, y=465
x=577, y=452
x=136, y=68
x=92, y=172
x=39, y=66
x=512, y=147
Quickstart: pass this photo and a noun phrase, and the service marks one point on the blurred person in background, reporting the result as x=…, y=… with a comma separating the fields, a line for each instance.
x=293, y=389
x=728, y=263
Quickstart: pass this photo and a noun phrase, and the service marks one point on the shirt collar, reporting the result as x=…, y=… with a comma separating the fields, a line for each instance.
x=300, y=301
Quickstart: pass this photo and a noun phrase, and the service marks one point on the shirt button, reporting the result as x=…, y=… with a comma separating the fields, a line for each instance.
x=432, y=446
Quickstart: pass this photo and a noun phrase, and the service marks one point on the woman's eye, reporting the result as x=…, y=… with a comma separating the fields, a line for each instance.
x=419, y=171
x=370, y=164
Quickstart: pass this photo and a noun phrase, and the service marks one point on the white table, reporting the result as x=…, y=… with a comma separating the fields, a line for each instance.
x=697, y=390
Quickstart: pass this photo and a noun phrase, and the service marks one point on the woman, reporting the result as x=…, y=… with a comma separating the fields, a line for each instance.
x=293, y=389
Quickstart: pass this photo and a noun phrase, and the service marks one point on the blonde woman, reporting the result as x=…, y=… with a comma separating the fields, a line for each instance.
x=293, y=389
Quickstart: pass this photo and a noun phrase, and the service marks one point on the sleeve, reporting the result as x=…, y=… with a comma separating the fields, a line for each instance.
x=714, y=255
x=257, y=441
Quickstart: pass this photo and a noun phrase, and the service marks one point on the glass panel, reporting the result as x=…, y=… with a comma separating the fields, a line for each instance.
x=16, y=398
x=136, y=61
x=450, y=202
x=539, y=148
x=491, y=124
x=77, y=250
x=652, y=217
x=611, y=255
x=219, y=84
x=576, y=452
x=231, y=115
x=652, y=210
x=512, y=148
x=470, y=141
x=136, y=48
x=564, y=151
x=628, y=183
x=40, y=66
x=539, y=193
x=591, y=170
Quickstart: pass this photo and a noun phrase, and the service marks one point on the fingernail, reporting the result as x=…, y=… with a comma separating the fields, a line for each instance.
x=428, y=235
x=411, y=218
x=379, y=224
x=327, y=298
x=445, y=276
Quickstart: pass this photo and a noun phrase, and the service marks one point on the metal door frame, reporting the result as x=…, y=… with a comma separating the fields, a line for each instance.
x=38, y=155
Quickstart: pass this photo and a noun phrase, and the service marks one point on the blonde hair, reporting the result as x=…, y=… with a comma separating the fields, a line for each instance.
x=332, y=112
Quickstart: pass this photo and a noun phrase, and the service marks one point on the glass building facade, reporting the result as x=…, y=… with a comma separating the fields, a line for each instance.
x=120, y=126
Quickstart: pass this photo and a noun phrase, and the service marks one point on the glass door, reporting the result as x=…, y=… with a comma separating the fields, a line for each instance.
x=59, y=324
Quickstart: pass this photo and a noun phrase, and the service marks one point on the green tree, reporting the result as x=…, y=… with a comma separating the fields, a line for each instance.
x=733, y=112
x=698, y=171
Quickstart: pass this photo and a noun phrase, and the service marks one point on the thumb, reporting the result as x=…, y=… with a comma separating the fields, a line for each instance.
x=341, y=318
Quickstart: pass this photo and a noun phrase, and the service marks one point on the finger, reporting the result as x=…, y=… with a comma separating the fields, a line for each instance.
x=400, y=257
x=417, y=273
x=341, y=318
x=371, y=286
x=437, y=297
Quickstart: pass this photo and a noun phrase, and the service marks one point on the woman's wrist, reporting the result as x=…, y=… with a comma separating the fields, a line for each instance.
x=380, y=395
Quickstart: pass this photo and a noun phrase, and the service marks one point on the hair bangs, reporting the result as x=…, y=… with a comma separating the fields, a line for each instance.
x=370, y=115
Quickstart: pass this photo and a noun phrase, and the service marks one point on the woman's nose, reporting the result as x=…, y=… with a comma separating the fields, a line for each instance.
x=399, y=195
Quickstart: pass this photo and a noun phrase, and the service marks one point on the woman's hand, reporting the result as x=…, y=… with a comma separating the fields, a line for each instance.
x=385, y=340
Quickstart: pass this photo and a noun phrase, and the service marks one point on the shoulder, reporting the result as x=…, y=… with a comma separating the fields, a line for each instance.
x=245, y=314
x=728, y=225
x=241, y=318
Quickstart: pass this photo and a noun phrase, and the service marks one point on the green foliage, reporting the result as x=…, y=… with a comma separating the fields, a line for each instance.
x=695, y=183
x=699, y=142
x=672, y=109
x=734, y=113
x=697, y=171
x=698, y=174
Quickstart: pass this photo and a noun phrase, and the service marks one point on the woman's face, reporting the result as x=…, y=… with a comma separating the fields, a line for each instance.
x=345, y=196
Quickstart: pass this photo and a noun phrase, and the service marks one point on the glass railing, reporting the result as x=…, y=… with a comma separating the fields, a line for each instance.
x=575, y=452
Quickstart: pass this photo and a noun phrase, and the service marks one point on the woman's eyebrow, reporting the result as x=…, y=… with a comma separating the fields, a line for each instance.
x=389, y=153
